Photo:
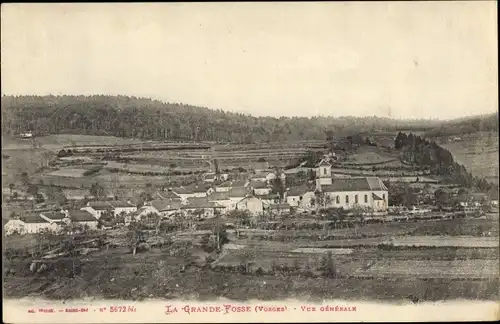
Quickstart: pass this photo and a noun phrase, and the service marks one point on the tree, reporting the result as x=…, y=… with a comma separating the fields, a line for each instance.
x=97, y=191
x=328, y=266
x=442, y=197
x=25, y=179
x=11, y=188
x=134, y=238
x=278, y=187
x=219, y=230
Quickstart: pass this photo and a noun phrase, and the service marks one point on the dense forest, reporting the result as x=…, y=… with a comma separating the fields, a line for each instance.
x=150, y=119
x=429, y=155
x=468, y=125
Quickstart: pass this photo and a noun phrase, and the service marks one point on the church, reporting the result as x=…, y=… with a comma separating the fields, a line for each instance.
x=350, y=192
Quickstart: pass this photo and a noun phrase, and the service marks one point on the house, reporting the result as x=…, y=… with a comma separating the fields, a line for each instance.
x=279, y=209
x=53, y=217
x=236, y=194
x=209, y=177
x=192, y=192
x=28, y=225
x=97, y=208
x=228, y=185
x=83, y=218
x=270, y=199
x=262, y=177
x=252, y=204
x=122, y=207
x=164, y=207
x=260, y=188
x=301, y=197
x=221, y=198
x=364, y=192
x=167, y=195
x=201, y=208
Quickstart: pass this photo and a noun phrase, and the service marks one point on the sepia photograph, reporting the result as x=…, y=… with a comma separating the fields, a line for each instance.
x=250, y=162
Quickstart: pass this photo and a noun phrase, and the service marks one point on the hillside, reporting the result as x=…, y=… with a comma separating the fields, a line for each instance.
x=467, y=125
x=123, y=116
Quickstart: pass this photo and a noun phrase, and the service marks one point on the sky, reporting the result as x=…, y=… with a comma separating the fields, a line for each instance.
x=403, y=60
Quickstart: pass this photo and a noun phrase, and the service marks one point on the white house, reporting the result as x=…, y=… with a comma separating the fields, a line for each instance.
x=28, y=225
x=252, y=204
x=301, y=197
x=201, y=208
x=122, y=207
x=97, y=208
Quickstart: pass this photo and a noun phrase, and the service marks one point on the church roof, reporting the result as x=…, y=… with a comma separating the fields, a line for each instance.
x=355, y=184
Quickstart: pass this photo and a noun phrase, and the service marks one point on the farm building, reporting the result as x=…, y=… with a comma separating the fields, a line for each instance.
x=192, y=192
x=252, y=204
x=201, y=208
x=300, y=197
x=236, y=194
x=97, y=208
x=28, y=225
x=164, y=207
x=122, y=207
x=260, y=188
x=270, y=199
x=167, y=195
x=82, y=217
x=53, y=217
x=221, y=198
x=228, y=185
x=279, y=209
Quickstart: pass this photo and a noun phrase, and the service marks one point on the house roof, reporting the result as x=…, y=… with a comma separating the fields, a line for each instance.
x=54, y=215
x=195, y=203
x=100, y=205
x=355, y=184
x=32, y=219
x=376, y=197
x=120, y=203
x=190, y=190
x=298, y=191
x=270, y=196
x=218, y=196
x=167, y=195
x=324, y=162
x=81, y=216
x=279, y=206
x=165, y=204
x=238, y=192
x=258, y=185
x=237, y=183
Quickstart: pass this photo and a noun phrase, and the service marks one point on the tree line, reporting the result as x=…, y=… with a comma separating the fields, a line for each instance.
x=424, y=153
x=133, y=117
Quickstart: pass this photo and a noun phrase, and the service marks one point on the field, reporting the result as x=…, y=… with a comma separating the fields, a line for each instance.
x=365, y=270
x=431, y=269
x=478, y=153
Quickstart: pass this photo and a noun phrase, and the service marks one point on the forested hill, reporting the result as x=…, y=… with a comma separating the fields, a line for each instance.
x=468, y=125
x=150, y=119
